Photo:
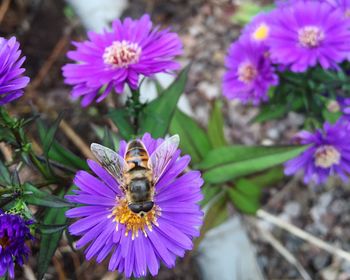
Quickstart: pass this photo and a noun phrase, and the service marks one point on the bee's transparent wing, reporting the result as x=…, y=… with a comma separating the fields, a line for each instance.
x=111, y=161
x=161, y=157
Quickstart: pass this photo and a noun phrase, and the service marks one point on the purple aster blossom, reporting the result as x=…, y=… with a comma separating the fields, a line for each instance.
x=137, y=244
x=307, y=33
x=258, y=29
x=343, y=5
x=344, y=108
x=12, y=82
x=327, y=155
x=249, y=73
x=109, y=60
x=14, y=232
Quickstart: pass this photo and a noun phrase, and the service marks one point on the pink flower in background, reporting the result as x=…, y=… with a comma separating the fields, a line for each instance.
x=114, y=58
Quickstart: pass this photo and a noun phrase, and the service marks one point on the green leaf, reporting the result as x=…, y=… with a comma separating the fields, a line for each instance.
x=248, y=188
x=216, y=126
x=247, y=10
x=5, y=176
x=49, y=229
x=49, y=242
x=270, y=112
x=216, y=209
x=194, y=140
x=107, y=140
x=209, y=192
x=121, y=119
x=157, y=115
x=269, y=177
x=34, y=196
x=331, y=117
x=62, y=155
x=50, y=134
x=245, y=196
x=225, y=164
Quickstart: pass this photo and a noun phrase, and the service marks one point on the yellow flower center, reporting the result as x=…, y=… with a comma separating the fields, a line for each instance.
x=310, y=36
x=133, y=222
x=247, y=72
x=261, y=33
x=326, y=156
x=122, y=54
x=4, y=241
x=333, y=106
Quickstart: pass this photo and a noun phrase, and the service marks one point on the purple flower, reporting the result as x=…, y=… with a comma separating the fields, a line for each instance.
x=137, y=243
x=14, y=232
x=249, y=73
x=344, y=5
x=109, y=60
x=306, y=33
x=11, y=80
x=327, y=155
x=344, y=108
x=258, y=29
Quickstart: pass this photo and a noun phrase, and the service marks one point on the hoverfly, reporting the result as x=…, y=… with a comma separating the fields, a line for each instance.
x=137, y=172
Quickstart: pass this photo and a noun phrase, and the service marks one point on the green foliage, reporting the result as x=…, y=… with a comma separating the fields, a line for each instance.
x=194, y=140
x=245, y=196
x=49, y=135
x=247, y=10
x=5, y=176
x=37, y=197
x=227, y=163
x=50, y=240
x=157, y=115
x=216, y=126
x=121, y=118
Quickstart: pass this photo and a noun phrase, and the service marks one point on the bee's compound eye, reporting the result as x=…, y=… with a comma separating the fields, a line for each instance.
x=135, y=207
x=138, y=207
x=147, y=206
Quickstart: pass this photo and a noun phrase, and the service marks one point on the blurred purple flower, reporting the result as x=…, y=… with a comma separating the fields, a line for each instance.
x=249, y=73
x=327, y=155
x=137, y=244
x=109, y=60
x=344, y=107
x=258, y=30
x=344, y=5
x=12, y=82
x=14, y=232
x=306, y=33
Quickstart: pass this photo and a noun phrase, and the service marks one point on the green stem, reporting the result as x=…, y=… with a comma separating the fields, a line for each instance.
x=135, y=108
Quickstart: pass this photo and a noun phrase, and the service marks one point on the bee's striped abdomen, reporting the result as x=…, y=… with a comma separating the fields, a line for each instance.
x=136, y=156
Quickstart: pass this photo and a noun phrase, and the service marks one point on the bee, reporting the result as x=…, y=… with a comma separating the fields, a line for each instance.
x=137, y=172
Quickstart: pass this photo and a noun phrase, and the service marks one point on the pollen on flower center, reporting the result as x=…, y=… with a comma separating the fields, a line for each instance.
x=326, y=156
x=121, y=214
x=310, y=36
x=247, y=72
x=122, y=54
x=261, y=33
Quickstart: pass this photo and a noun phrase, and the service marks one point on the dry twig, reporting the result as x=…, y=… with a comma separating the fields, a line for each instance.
x=268, y=237
x=3, y=9
x=6, y=151
x=39, y=101
x=303, y=235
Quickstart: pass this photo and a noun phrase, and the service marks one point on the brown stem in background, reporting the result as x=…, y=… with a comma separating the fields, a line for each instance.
x=40, y=102
x=3, y=9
